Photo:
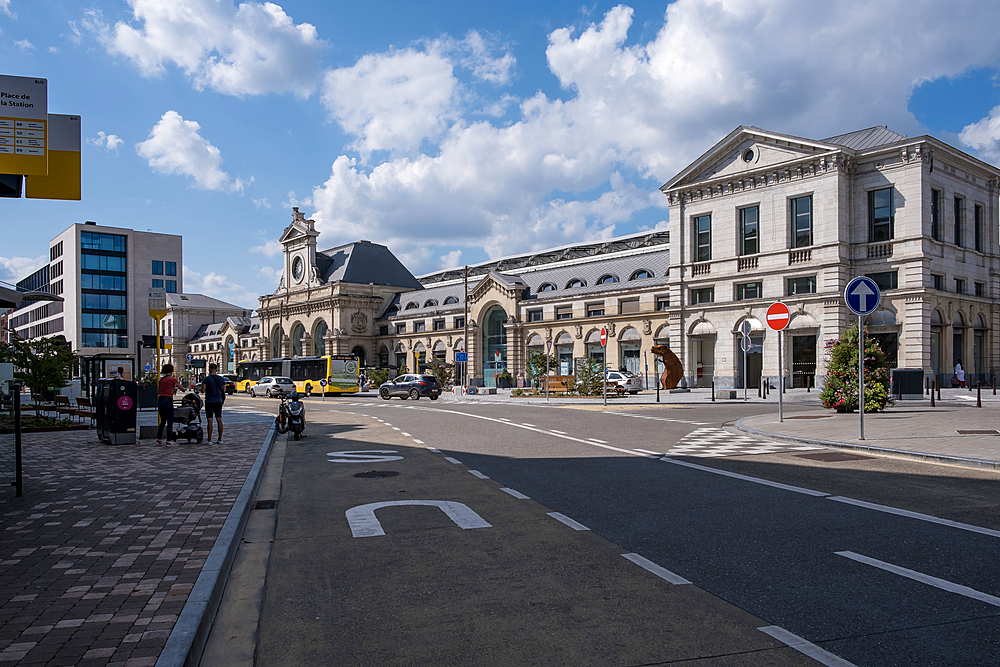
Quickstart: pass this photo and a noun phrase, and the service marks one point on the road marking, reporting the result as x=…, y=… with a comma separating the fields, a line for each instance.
x=659, y=419
x=821, y=656
x=419, y=442
x=562, y=518
x=363, y=523
x=527, y=424
x=436, y=451
x=503, y=419
x=406, y=434
x=646, y=451
x=478, y=474
x=448, y=458
x=367, y=456
x=603, y=442
x=516, y=494
x=918, y=516
x=552, y=430
x=746, y=478
x=396, y=428
x=661, y=572
x=943, y=584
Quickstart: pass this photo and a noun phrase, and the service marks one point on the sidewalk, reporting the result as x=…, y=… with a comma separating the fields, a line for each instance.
x=100, y=554
x=910, y=428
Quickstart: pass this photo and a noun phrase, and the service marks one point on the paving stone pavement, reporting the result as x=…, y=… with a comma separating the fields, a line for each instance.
x=98, y=556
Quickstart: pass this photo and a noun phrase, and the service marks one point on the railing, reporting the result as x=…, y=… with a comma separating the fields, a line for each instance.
x=746, y=263
x=879, y=250
x=799, y=256
x=701, y=269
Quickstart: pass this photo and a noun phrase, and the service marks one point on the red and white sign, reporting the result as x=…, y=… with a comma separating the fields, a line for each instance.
x=777, y=316
x=604, y=336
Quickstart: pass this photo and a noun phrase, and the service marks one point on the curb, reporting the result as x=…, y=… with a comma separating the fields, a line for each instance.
x=905, y=453
x=187, y=640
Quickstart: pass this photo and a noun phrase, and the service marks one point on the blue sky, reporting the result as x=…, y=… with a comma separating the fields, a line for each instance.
x=454, y=132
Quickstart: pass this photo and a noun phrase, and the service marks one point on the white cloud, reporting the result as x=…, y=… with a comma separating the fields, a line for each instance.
x=219, y=287
x=270, y=248
x=250, y=49
x=110, y=142
x=451, y=259
x=263, y=202
x=16, y=268
x=475, y=54
x=5, y=8
x=175, y=147
x=555, y=175
x=24, y=45
x=984, y=136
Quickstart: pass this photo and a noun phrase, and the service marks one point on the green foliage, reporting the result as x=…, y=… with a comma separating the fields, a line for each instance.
x=841, y=389
x=42, y=364
x=443, y=371
x=376, y=376
x=589, y=376
x=517, y=392
x=535, y=365
x=402, y=368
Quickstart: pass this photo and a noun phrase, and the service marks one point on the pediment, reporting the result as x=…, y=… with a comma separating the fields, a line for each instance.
x=297, y=231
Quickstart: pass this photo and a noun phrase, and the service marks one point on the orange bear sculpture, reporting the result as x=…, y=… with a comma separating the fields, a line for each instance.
x=672, y=369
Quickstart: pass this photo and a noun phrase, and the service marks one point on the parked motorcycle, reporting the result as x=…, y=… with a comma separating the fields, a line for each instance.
x=291, y=415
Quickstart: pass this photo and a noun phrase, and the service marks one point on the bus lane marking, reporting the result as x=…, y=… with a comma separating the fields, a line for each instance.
x=363, y=522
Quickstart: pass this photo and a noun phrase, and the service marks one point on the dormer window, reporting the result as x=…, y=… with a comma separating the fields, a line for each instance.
x=450, y=300
x=640, y=274
x=430, y=302
x=607, y=280
x=411, y=305
x=576, y=282
x=547, y=287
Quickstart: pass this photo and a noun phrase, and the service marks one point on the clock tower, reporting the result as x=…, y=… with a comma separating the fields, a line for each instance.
x=298, y=242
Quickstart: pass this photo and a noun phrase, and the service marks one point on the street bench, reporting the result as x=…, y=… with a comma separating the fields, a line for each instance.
x=556, y=382
x=85, y=409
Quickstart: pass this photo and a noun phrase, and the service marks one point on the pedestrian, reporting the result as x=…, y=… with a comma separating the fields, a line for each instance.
x=960, y=373
x=214, y=388
x=165, y=391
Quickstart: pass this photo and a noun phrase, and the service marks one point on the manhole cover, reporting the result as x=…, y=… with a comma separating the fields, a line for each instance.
x=377, y=473
x=265, y=504
x=830, y=457
x=985, y=431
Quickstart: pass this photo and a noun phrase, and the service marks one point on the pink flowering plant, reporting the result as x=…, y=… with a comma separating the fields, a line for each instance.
x=841, y=390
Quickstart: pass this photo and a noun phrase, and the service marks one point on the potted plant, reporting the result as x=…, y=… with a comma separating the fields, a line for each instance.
x=504, y=379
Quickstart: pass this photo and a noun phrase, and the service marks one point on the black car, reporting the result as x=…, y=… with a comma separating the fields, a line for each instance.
x=230, y=384
x=411, y=386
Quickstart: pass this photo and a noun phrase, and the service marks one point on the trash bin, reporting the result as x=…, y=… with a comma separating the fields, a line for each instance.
x=908, y=383
x=116, y=411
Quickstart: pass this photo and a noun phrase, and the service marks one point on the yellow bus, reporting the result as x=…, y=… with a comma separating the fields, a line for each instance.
x=341, y=372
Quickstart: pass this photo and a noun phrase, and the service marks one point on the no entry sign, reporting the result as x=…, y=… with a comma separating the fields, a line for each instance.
x=604, y=336
x=777, y=316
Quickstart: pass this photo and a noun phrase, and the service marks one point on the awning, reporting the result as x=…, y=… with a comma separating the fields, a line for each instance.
x=10, y=298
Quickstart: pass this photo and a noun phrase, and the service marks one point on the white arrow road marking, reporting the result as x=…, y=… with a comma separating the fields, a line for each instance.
x=368, y=456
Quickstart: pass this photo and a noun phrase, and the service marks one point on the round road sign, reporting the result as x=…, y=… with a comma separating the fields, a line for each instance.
x=777, y=316
x=862, y=295
x=322, y=383
x=746, y=327
x=604, y=336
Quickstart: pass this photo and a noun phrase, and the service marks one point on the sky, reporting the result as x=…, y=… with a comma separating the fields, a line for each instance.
x=457, y=132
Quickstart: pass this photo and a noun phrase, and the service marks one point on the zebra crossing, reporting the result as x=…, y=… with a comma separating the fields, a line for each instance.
x=710, y=442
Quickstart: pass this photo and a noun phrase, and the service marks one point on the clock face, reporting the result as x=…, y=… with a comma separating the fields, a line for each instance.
x=297, y=269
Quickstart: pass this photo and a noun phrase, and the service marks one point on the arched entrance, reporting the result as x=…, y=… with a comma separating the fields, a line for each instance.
x=494, y=344
x=361, y=354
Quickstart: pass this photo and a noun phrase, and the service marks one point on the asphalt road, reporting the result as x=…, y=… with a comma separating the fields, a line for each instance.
x=869, y=560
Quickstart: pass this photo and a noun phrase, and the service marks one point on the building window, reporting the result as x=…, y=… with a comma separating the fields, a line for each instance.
x=383, y=330
x=535, y=315
x=640, y=274
x=703, y=238
x=607, y=280
x=157, y=267
x=547, y=287
x=936, y=215
x=158, y=282
x=56, y=270
x=96, y=241
x=56, y=251
x=171, y=286
x=576, y=282
x=57, y=288
x=881, y=217
x=626, y=306
x=978, y=230
x=749, y=291
x=418, y=327
x=937, y=282
x=802, y=222
x=980, y=289
x=595, y=309
x=438, y=325
x=564, y=312
x=430, y=303
x=662, y=303
x=703, y=295
x=450, y=300
x=885, y=280
x=749, y=233
x=411, y=305
x=805, y=285
x=171, y=268
x=959, y=219
x=959, y=286
x=401, y=328
x=459, y=322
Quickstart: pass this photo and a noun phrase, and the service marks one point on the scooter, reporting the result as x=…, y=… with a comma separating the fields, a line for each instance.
x=291, y=416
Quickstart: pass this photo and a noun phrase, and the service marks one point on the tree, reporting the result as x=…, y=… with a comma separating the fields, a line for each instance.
x=535, y=365
x=43, y=364
x=442, y=370
x=377, y=376
x=589, y=376
x=841, y=389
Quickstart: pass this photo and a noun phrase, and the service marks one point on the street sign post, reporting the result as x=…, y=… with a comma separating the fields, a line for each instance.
x=157, y=310
x=604, y=363
x=322, y=384
x=548, y=351
x=863, y=297
x=778, y=318
x=745, y=345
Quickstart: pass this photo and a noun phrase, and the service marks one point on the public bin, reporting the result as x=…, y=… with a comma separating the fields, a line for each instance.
x=117, y=411
x=907, y=383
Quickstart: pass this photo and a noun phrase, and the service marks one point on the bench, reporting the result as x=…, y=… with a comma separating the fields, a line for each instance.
x=63, y=406
x=555, y=382
x=85, y=409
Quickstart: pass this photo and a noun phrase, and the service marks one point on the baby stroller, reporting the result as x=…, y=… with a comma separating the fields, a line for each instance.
x=187, y=419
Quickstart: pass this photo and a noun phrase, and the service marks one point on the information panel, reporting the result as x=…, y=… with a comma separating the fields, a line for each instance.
x=63, y=180
x=23, y=126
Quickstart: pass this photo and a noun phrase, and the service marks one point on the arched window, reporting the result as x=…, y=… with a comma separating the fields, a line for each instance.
x=430, y=302
x=576, y=282
x=318, y=337
x=547, y=287
x=297, y=334
x=411, y=305
x=640, y=274
x=450, y=300
x=607, y=279
x=392, y=310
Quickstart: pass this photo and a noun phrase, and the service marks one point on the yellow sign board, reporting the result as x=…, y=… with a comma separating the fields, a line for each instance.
x=157, y=304
x=63, y=180
x=24, y=126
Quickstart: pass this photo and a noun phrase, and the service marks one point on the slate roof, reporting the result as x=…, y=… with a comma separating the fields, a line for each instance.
x=200, y=301
x=363, y=262
x=860, y=140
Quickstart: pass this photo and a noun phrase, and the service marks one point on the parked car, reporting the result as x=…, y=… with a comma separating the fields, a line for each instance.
x=273, y=386
x=230, y=383
x=624, y=381
x=411, y=386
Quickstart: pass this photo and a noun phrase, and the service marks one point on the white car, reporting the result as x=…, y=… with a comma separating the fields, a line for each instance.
x=623, y=381
x=273, y=386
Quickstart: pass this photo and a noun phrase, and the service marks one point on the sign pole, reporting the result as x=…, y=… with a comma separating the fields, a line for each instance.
x=861, y=377
x=863, y=297
x=604, y=364
x=548, y=351
x=781, y=379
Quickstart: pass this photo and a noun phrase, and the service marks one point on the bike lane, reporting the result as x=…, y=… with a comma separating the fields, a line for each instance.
x=438, y=564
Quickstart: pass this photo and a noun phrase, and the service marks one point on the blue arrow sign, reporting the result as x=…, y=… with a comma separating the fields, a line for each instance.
x=862, y=295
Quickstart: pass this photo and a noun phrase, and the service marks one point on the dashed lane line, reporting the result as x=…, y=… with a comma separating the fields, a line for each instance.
x=478, y=474
x=516, y=494
x=562, y=518
x=822, y=656
x=661, y=572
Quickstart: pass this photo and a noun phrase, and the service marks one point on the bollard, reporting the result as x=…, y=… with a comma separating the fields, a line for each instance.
x=994, y=385
x=713, y=391
x=933, y=383
x=927, y=386
x=760, y=388
x=979, y=394
x=808, y=383
x=939, y=391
